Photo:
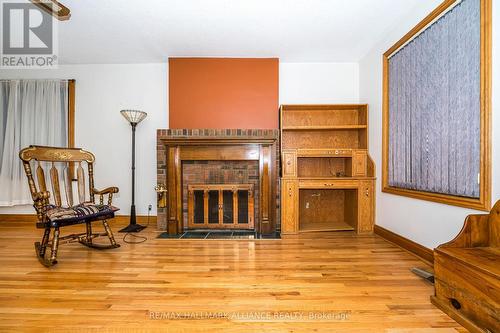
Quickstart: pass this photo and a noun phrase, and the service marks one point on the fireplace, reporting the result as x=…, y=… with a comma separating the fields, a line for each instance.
x=219, y=178
x=215, y=179
x=227, y=206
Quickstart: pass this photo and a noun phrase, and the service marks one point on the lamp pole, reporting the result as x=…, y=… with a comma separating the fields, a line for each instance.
x=133, y=226
x=133, y=219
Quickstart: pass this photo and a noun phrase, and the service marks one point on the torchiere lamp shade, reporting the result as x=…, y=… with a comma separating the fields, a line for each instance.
x=133, y=116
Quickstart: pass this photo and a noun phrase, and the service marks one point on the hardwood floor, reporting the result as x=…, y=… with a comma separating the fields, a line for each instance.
x=349, y=283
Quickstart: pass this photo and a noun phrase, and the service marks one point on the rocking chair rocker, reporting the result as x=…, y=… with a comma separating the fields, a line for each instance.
x=51, y=212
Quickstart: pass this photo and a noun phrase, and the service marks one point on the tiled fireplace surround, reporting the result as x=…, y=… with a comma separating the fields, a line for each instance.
x=176, y=147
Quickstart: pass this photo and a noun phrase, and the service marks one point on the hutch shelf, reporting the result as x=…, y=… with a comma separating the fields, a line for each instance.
x=327, y=174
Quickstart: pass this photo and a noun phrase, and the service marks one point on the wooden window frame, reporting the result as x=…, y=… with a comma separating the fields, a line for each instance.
x=71, y=123
x=71, y=113
x=484, y=201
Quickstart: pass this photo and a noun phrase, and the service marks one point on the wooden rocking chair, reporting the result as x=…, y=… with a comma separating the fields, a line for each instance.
x=52, y=213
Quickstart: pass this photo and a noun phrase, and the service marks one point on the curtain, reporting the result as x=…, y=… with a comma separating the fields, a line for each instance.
x=34, y=112
x=434, y=107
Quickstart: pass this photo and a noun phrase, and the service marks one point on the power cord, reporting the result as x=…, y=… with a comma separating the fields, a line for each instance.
x=142, y=239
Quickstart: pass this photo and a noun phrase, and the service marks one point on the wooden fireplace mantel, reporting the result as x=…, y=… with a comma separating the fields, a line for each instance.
x=194, y=141
x=221, y=146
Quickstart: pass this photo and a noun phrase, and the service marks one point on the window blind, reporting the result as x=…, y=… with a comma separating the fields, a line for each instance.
x=434, y=103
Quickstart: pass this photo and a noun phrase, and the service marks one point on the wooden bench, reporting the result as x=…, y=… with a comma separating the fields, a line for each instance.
x=467, y=274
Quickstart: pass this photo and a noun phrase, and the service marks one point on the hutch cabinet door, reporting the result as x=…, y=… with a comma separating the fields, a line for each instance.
x=289, y=163
x=359, y=163
x=289, y=206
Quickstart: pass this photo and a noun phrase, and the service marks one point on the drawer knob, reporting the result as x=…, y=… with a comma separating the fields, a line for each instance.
x=456, y=304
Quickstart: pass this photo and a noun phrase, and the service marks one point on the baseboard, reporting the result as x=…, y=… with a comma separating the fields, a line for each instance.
x=18, y=218
x=140, y=219
x=122, y=219
x=420, y=251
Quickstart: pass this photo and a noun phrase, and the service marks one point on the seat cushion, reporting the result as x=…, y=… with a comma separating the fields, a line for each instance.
x=84, y=211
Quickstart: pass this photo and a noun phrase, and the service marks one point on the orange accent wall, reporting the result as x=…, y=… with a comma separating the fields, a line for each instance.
x=223, y=93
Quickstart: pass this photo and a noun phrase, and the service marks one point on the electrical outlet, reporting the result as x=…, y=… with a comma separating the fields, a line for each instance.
x=150, y=207
x=307, y=205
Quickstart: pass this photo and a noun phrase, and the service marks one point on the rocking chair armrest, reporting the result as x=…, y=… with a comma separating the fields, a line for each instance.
x=107, y=190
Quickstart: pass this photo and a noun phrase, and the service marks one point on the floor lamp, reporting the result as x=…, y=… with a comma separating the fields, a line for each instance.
x=134, y=117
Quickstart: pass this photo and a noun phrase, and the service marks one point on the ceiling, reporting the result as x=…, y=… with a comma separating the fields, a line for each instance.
x=118, y=31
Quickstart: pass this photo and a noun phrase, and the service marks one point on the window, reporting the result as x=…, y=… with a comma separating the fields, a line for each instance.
x=436, y=127
x=33, y=112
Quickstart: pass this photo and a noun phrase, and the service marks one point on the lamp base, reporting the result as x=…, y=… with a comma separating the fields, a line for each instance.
x=132, y=228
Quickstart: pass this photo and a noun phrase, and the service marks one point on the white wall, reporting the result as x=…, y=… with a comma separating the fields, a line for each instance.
x=316, y=83
x=427, y=223
x=101, y=92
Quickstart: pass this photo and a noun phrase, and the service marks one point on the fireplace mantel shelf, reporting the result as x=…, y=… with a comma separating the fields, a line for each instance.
x=193, y=141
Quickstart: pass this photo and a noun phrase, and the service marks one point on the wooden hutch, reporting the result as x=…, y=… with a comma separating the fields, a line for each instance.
x=328, y=177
